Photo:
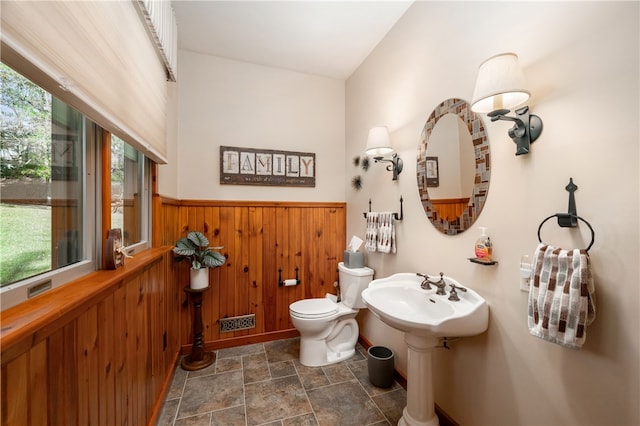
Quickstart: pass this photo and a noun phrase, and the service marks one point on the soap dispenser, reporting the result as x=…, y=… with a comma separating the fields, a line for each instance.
x=483, y=247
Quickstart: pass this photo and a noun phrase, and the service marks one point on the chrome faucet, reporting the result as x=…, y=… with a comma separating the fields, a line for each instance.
x=453, y=294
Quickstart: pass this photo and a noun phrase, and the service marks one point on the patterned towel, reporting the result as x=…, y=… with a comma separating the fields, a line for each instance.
x=381, y=233
x=562, y=297
x=371, y=237
x=386, y=233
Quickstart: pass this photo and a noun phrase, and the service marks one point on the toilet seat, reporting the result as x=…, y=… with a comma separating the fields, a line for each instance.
x=313, y=308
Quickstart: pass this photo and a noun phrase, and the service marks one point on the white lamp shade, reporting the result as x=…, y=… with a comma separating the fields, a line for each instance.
x=378, y=142
x=500, y=84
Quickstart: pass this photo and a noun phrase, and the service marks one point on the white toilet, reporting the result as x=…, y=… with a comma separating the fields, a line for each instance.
x=328, y=330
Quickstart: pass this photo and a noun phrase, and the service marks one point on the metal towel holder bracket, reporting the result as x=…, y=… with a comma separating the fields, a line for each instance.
x=570, y=219
x=396, y=216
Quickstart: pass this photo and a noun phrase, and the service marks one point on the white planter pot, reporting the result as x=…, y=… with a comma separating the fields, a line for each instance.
x=199, y=278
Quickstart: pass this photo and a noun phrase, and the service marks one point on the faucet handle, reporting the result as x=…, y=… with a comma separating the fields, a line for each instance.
x=457, y=287
x=453, y=294
x=425, y=281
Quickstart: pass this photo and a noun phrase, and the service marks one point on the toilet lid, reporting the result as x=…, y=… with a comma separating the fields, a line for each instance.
x=313, y=308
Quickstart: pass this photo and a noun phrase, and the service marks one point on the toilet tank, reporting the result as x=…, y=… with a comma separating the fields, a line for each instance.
x=352, y=282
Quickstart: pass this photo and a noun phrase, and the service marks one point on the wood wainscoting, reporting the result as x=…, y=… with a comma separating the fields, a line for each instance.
x=99, y=350
x=259, y=238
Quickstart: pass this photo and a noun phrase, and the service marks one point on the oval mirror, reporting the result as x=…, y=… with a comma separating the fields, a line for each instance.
x=454, y=166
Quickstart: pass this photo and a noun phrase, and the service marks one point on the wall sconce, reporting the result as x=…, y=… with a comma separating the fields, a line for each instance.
x=378, y=145
x=501, y=86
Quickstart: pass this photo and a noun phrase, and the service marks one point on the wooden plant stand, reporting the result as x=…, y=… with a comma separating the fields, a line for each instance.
x=198, y=359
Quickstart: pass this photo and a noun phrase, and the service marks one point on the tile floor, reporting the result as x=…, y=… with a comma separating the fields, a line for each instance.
x=265, y=384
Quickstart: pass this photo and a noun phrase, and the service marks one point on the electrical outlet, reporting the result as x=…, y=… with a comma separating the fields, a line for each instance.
x=525, y=276
x=526, y=272
x=524, y=284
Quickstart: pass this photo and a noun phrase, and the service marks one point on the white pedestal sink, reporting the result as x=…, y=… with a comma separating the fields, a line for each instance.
x=424, y=317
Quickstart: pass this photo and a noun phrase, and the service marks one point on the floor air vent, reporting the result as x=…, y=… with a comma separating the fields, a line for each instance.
x=242, y=322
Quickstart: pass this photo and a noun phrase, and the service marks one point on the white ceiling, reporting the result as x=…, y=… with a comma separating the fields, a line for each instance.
x=328, y=38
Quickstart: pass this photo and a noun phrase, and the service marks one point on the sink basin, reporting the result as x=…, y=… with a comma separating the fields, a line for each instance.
x=399, y=302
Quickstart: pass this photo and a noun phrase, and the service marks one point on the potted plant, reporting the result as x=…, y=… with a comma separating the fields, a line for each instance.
x=195, y=248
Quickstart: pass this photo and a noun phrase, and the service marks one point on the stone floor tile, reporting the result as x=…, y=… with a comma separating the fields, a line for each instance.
x=177, y=383
x=213, y=392
x=198, y=420
x=240, y=350
x=305, y=420
x=391, y=404
x=211, y=369
x=255, y=368
x=338, y=373
x=343, y=404
x=311, y=377
x=228, y=364
x=282, y=369
x=168, y=413
x=275, y=399
x=233, y=416
x=360, y=355
x=282, y=350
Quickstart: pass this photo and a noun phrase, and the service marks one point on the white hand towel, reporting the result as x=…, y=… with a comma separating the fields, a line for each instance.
x=562, y=297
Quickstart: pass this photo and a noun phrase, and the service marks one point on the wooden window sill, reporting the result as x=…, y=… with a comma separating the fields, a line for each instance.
x=28, y=323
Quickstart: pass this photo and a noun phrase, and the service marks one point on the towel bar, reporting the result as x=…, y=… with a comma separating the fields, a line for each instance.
x=576, y=218
x=396, y=216
x=569, y=220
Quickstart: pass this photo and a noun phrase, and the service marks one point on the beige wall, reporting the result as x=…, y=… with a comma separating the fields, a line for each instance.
x=581, y=60
x=231, y=103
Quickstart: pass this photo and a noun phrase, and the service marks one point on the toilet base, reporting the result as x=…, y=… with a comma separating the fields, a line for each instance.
x=338, y=346
x=309, y=354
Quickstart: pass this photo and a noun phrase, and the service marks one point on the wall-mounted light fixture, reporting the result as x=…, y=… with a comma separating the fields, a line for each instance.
x=378, y=145
x=501, y=86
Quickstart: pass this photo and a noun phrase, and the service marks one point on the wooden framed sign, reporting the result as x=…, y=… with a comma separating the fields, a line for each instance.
x=248, y=166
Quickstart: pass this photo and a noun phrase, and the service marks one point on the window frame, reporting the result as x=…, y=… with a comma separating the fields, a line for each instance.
x=96, y=214
x=146, y=164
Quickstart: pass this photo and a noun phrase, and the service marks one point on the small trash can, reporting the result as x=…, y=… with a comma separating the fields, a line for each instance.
x=380, y=366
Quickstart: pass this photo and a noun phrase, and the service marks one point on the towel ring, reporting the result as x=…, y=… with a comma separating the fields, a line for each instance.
x=561, y=215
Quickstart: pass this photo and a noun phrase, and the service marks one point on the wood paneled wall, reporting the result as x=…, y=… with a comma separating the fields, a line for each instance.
x=96, y=351
x=259, y=239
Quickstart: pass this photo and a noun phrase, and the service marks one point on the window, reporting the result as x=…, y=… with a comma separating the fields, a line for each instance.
x=128, y=193
x=50, y=230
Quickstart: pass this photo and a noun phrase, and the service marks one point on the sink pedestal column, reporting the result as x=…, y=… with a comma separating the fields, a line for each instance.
x=420, y=409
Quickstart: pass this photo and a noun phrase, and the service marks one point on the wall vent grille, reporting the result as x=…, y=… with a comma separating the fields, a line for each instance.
x=241, y=322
